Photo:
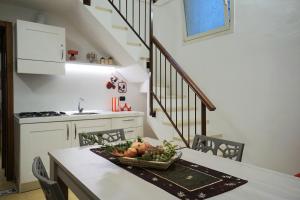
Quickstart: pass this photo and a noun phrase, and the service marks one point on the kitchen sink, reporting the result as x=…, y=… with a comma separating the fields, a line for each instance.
x=85, y=113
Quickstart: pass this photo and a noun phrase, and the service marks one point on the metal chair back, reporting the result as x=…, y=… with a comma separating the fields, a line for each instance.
x=101, y=137
x=224, y=148
x=50, y=188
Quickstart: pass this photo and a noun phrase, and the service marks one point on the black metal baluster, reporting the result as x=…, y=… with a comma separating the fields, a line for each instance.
x=152, y=74
x=160, y=77
x=146, y=20
x=165, y=82
x=195, y=114
x=182, y=106
x=203, y=118
x=126, y=9
x=176, y=97
x=155, y=70
x=139, y=17
x=170, y=91
x=188, y=114
x=133, y=13
x=120, y=6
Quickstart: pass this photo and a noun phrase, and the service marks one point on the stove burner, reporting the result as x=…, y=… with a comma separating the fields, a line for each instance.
x=40, y=114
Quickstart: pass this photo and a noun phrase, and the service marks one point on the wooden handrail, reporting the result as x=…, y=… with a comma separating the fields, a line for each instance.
x=209, y=105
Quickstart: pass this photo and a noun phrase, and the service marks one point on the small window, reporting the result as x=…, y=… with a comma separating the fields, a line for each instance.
x=206, y=17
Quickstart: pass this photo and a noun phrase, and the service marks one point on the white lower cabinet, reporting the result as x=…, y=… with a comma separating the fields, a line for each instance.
x=132, y=133
x=88, y=126
x=37, y=139
x=133, y=126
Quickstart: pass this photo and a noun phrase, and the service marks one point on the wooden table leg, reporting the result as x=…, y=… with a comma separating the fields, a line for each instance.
x=54, y=176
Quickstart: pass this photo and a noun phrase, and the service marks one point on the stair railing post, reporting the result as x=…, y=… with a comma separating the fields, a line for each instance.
x=203, y=119
x=151, y=59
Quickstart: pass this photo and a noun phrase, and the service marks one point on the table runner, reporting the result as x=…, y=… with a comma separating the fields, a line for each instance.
x=185, y=180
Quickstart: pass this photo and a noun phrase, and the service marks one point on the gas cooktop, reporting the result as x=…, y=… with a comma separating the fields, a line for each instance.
x=40, y=114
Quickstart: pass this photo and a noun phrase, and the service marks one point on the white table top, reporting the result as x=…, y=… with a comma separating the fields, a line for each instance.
x=110, y=182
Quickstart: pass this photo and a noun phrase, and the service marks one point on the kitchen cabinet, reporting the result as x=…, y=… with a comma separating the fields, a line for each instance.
x=38, y=140
x=132, y=133
x=127, y=122
x=86, y=126
x=40, y=48
x=133, y=127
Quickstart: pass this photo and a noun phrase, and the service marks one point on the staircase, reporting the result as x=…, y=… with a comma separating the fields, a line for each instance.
x=177, y=106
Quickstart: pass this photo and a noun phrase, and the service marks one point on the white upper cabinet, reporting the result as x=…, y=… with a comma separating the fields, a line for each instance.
x=40, y=48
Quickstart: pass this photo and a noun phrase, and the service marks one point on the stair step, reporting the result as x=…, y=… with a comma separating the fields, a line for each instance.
x=123, y=28
x=145, y=58
x=102, y=9
x=184, y=122
x=113, y=34
x=134, y=44
x=173, y=97
x=185, y=108
x=163, y=86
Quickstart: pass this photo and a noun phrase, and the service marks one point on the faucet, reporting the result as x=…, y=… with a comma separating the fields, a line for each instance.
x=80, y=109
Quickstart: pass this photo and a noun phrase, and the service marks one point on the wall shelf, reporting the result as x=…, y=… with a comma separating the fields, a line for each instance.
x=90, y=64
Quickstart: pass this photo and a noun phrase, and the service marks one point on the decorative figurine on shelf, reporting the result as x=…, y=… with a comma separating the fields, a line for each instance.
x=115, y=106
x=112, y=83
x=122, y=87
x=102, y=60
x=72, y=54
x=92, y=57
x=110, y=61
x=126, y=107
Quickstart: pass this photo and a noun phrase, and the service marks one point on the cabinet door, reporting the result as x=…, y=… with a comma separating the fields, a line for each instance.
x=127, y=122
x=38, y=140
x=133, y=133
x=89, y=126
x=40, y=42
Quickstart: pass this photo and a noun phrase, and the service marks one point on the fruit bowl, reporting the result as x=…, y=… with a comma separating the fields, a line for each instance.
x=143, y=154
x=150, y=164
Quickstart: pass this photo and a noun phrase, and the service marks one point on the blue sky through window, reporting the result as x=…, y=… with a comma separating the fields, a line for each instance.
x=203, y=15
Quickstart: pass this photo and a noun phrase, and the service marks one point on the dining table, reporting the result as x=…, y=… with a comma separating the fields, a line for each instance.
x=90, y=176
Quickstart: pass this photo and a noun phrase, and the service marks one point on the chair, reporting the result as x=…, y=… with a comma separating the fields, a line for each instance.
x=227, y=149
x=297, y=175
x=101, y=137
x=50, y=188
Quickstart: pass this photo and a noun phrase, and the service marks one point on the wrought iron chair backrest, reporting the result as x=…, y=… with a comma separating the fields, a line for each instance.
x=227, y=149
x=50, y=188
x=101, y=137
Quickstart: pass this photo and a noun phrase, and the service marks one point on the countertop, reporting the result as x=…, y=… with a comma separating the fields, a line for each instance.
x=101, y=114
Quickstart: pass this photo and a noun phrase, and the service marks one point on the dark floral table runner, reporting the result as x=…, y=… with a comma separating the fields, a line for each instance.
x=185, y=180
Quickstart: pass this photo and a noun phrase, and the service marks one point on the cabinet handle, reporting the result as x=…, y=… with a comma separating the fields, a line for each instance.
x=68, y=132
x=129, y=131
x=75, y=131
x=128, y=120
x=62, y=54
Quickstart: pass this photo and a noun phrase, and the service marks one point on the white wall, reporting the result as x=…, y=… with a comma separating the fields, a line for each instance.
x=252, y=76
x=42, y=92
